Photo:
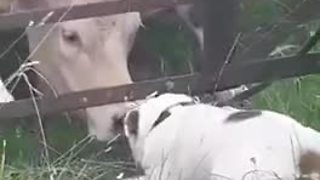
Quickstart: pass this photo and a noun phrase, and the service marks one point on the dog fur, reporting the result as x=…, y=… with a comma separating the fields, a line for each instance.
x=205, y=142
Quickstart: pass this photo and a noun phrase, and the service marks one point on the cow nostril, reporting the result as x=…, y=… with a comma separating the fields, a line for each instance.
x=118, y=123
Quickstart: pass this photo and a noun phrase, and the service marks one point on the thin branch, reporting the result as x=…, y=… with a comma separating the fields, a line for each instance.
x=227, y=61
x=47, y=82
x=39, y=118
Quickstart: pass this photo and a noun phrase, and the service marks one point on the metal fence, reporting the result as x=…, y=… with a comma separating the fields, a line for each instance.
x=249, y=67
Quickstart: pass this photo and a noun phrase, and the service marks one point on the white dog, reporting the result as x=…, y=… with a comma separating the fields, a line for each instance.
x=173, y=137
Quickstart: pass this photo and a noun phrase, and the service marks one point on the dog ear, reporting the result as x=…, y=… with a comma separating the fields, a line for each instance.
x=131, y=123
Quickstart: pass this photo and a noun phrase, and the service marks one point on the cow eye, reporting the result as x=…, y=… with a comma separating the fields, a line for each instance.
x=71, y=37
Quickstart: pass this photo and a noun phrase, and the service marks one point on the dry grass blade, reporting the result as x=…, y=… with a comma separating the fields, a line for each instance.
x=226, y=61
x=3, y=158
x=20, y=73
x=85, y=141
x=43, y=136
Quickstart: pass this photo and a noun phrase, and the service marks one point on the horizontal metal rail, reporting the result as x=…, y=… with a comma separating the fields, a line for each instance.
x=104, y=8
x=234, y=74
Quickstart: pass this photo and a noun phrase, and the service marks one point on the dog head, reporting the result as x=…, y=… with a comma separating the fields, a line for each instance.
x=139, y=121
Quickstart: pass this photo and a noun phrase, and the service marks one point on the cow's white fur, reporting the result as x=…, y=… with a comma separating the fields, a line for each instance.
x=196, y=142
x=5, y=96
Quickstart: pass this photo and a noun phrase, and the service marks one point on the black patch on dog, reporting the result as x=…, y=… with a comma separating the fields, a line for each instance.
x=164, y=115
x=243, y=115
x=132, y=122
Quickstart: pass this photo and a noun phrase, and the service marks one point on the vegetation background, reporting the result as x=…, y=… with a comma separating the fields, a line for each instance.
x=73, y=156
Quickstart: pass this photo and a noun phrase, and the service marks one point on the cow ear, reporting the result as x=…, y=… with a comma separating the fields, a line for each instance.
x=131, y=123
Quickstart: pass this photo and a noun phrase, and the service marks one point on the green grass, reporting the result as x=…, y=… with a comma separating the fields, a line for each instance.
x=73, y=164
x=298, y=97
x=72, y=156
x=68, y=169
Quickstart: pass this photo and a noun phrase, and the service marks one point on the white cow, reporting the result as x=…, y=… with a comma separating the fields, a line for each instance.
x=84, y=54
x=172, y=137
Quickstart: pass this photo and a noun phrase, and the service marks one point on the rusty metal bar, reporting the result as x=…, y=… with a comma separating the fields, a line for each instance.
x=104, y=8
x=234, y=74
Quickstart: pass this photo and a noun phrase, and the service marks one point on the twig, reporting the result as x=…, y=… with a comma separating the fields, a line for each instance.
x=83, y=141
x=40, y=75
x=227, y=61
x=39, y=117
x=109, y=143
x=19, y=71
x=246, y=94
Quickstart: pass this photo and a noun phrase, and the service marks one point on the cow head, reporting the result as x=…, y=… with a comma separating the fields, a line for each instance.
x=84, y=54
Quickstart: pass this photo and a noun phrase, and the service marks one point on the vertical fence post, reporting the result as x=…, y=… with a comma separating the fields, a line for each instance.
x=220, y=23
